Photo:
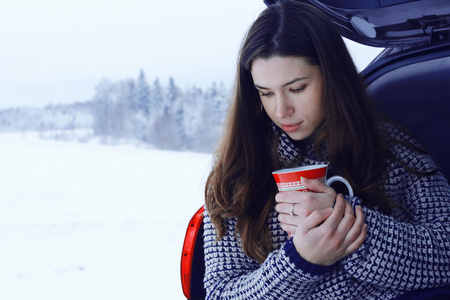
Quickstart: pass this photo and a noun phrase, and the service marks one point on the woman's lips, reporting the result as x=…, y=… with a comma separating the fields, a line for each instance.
x=291, y=127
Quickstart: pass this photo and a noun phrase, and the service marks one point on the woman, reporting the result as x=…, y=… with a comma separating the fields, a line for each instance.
x=299, y=101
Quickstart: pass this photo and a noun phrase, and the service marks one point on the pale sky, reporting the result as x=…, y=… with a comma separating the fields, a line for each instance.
x=57, y=51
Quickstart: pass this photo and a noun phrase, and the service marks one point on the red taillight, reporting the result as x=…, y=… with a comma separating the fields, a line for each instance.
x=188, y=251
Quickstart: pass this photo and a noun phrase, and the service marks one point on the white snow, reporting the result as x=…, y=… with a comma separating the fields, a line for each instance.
x=89, y=221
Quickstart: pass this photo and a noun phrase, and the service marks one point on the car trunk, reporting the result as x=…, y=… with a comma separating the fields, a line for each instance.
x=410, y=79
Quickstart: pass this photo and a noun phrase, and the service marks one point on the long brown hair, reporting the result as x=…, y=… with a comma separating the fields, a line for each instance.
x=241, y=185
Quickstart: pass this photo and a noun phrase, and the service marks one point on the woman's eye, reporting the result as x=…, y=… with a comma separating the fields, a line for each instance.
x=265, y=94
x=298, y=90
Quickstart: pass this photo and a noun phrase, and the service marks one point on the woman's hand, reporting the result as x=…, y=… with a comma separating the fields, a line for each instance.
x=323, y=235
x=303, y=204
x=326, y=236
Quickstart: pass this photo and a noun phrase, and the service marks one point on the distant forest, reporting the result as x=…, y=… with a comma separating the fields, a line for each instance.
x=164, y=116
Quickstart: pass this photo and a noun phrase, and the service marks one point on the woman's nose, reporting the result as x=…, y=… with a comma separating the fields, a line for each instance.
x=284, y=107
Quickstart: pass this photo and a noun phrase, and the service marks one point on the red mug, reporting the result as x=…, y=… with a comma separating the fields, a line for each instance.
x=291, y=179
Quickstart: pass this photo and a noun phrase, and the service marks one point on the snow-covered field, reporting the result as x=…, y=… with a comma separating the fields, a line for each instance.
x=94, y=222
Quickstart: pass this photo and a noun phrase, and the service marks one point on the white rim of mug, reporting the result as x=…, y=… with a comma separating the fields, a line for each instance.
x=302, y=168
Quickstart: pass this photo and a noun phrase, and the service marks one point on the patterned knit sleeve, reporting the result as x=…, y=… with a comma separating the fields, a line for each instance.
x=230, y=274
x=409, y=249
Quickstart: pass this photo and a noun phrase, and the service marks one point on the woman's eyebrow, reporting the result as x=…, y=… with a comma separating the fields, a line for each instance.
x=284, y=85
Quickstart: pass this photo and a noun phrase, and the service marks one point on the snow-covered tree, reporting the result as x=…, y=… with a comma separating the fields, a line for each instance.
x=171, y=97
x=143, y=94
x=156, y=99
x=165, y=116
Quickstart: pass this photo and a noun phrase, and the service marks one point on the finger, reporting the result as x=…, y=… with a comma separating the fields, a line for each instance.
x=357, y=226
x=316, y=185
x=338, y=212
x=359, y=221
x=314, y=219
x=287, y=219
x=348, y=220
x=287, y=197
x=289, y=228
x=288, y=222
x=285, y=208
x=358, y=241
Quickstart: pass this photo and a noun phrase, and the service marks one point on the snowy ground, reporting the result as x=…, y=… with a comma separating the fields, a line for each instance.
x=93, y=222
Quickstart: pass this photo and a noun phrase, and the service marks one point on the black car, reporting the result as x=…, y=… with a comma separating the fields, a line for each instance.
x=410, y=80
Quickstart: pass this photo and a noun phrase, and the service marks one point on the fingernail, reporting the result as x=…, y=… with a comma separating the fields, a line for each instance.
x=305, y=180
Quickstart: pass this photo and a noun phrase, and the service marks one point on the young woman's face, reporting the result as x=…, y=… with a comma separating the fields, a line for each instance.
x=291, y=94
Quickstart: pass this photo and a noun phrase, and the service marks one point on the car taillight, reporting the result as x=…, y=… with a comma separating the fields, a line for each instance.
x=188, y=251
